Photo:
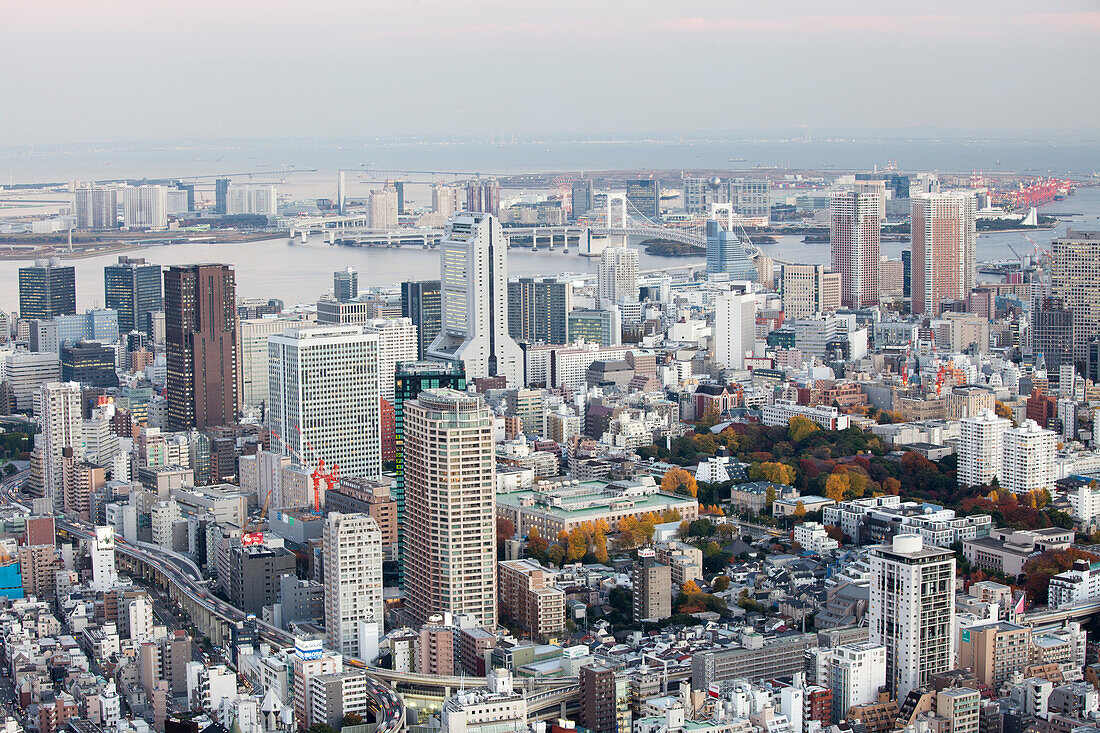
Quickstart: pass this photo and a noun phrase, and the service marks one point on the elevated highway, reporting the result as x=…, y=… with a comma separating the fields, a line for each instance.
x=215, y=618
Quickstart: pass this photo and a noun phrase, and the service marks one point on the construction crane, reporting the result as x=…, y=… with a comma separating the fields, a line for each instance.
x=318, y=474
x=248, y=535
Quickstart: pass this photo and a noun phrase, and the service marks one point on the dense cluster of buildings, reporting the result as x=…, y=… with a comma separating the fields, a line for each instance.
x=473, y=476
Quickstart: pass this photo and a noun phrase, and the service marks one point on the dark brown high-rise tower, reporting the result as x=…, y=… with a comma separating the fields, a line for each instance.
x=200, y=319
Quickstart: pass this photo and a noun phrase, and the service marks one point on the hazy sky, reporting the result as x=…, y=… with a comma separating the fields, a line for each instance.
x=107, y=70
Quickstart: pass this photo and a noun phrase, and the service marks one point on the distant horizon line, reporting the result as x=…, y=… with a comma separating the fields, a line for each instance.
x=507, y=138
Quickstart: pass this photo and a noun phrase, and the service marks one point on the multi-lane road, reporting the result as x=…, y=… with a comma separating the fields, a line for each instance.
x=181, y=572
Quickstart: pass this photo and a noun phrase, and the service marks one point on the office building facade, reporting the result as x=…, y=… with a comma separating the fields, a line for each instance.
x=1075, y=280
x=808, y=290
x=582, y=197
x=323, y=388
x=345, y=284
x=200, y=314
x=47, y=289
x=726, y=254
x=132, y=287
x=420, y=303
x=89, y=363
x=750, y=197
x=474, y=300
x=397, y=340
x=538, y=309
x=644, y=198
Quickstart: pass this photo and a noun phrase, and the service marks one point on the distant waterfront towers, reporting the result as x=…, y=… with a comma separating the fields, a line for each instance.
x=345, y=284
x=383, y=208
x=617, y=276
x=410, y=379
x=132, y=287
x=750, y=197
x=221, y=196
x=450, y=551
x=352, y=550
x=1075, y=278
x=538, y=309
x=582, y=196
x=200, y=319
x=734, y=328
x=944, y=236
x=323, y=387
x=856, y=220
x=727, y=254
x=474, y=300
x=912, y=610
x=420, y=304
x=644, y=197
x=96, y=207
x=47, y=289
x=695, y=196
x=444, y=200
x=251, y=199
x=483, y=197
x=809, y=289
x=145, y=207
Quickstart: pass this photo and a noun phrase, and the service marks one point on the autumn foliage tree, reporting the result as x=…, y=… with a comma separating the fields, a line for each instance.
x=536, y=544
x=836, y=486
x=679, y=481
x=1039, y=570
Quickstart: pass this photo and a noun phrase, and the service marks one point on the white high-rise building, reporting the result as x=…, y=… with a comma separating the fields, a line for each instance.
x=854, y=239
x=617, y=277
x=96, y=207
x=261, y=474
x=981, y=448
x=734, y=328
x=1028, y=463
x=104, y=575
x=474, y=300
x=57, y=410
x=855, y=674
x=912, y=610
x=397, y=340
x=251, y=199
x=443, y=200
x=254, y=355
x=145, y=207
x=352, y=551
x=450, y=506
x=383, y=209
x=323, y=388
x=139, y=611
